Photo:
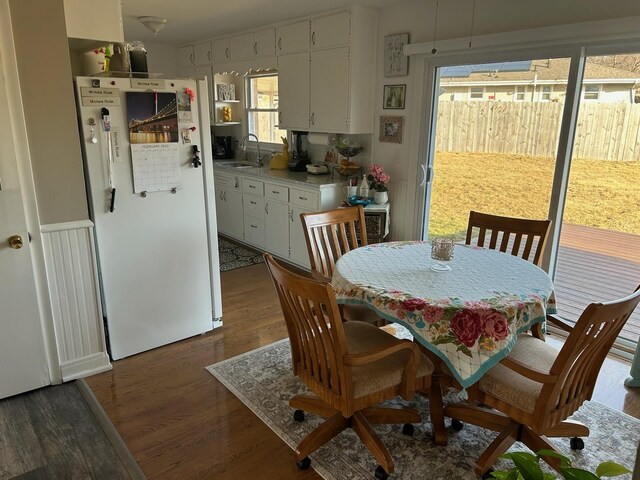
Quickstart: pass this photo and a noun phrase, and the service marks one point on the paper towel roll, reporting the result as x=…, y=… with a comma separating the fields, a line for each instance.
x=318, y=138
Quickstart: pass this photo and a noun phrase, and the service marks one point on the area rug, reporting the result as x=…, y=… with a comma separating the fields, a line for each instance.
x=262, y=379
x=233, y=255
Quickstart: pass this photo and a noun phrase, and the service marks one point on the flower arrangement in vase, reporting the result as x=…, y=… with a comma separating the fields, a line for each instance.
x=378, y=183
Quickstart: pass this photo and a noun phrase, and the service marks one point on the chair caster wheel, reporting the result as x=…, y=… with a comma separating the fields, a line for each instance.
x=407, y=429
x=576, y=443
x=304, y=464
x=380, y=474
x=488, y=475
x=298, y=416
x=457, y=425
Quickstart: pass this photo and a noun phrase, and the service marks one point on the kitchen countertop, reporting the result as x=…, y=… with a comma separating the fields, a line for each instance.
x=265, y=173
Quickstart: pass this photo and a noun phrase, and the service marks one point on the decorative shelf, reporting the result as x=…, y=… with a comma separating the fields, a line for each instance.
x=227, y=101
x=224, y=124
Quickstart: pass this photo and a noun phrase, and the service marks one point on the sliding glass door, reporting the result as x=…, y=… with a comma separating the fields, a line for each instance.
x=500, y=143
x=599, y=247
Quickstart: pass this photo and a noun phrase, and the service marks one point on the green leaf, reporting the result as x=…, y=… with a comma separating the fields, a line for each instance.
x=564, y=461
x=549, y=476
x=527, y=465
x=611, y=469
x=577, y=474
x=444, y=339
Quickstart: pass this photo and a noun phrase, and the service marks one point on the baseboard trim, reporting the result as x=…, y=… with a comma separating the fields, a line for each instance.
x=85, y=366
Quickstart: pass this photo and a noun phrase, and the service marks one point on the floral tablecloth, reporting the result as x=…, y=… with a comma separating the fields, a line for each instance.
x=470, y=316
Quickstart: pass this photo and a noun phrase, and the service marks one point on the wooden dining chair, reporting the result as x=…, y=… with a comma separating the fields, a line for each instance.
x=523, y=237
x=329, y=235
x=349, y=367
x=536, y=388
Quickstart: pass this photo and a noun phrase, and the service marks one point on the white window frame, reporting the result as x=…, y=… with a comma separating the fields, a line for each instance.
x=520, y=90
x=248, y=109
x=471, y=93
x=543, y=92
x=598, y=91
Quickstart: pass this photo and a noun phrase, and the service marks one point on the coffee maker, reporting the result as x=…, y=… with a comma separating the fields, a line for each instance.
x=299, y=151
x=223, y=147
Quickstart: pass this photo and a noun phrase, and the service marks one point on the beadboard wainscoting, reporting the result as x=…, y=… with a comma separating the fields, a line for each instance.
x=72, y=276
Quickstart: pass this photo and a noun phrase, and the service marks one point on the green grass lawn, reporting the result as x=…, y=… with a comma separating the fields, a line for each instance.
x=603, y=194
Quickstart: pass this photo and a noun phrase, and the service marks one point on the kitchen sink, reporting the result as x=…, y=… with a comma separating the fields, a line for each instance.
x=233, y=164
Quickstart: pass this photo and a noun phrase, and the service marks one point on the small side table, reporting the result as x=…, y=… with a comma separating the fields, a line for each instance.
x=377, y=220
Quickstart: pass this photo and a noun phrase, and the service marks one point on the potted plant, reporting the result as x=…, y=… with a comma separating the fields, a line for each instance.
x=527, y=467
x=378, y=183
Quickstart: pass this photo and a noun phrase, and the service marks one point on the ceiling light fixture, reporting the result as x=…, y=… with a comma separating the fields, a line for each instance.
x=154, y=24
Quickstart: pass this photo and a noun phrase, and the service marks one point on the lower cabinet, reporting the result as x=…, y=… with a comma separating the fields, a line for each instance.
x=229, y=211
x=267, y=215
x=277, y=228
x=297, y=244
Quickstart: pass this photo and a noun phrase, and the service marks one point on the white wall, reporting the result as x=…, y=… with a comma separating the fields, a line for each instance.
x=162, y=58
x=454, y=21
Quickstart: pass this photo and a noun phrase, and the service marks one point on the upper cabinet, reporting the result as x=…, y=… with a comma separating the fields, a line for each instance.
x=340, y=74
x=293, y=38
x=264, y=43
x=202, y=53
x=186, y=60
x=241, y=47
x=86, y=29
x=330, y=31
x=220, y=51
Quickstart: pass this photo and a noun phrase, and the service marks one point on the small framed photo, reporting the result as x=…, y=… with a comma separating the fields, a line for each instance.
x=394, y=97
x=391, y=129
x=396, y=63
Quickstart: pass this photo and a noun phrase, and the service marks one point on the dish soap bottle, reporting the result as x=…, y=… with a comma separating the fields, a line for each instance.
x=364, y=187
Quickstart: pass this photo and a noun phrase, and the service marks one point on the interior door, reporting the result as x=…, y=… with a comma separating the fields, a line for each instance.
x=22, y=353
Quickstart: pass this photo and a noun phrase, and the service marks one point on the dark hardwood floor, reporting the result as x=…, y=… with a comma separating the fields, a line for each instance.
x=180, y=422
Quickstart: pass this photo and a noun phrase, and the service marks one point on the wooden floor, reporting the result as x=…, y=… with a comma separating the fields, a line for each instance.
x=180, y=422
x=51, y=433
x=597, y=265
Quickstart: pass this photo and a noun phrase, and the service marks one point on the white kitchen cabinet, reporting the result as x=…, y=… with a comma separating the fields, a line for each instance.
x=277, y=228
x=341, y=74
x=186, y=60
x=292, y=38
x=202, y=53
x=298, y=252
x=241, y=47
x=293, y=91
x=220, y=51
x=254, y=232
x=264, y=43
x=87, y=27
x=330, y=31
x=329, y=91
x=229, y=212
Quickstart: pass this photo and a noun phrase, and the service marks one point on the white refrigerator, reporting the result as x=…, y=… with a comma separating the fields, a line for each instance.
x=148, y=169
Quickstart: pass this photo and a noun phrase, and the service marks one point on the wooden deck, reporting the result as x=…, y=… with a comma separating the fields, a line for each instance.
x=597, y=265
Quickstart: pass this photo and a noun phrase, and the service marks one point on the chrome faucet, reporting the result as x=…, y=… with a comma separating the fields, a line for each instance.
x=244, y=147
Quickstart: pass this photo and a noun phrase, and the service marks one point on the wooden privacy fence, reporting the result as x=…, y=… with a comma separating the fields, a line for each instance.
x=605, y=131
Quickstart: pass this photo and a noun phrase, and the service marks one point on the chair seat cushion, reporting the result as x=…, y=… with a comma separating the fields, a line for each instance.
x=511, y=387
x=359, y=313
x=384, y=373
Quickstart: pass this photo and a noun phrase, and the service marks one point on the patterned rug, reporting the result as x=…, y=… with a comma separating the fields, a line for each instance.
x=233, y=255
x=262, y=379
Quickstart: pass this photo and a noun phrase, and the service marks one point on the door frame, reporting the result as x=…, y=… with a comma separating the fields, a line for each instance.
x=27, y=187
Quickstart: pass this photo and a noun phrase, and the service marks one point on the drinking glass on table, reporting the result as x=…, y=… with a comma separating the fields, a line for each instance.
x=442, y=250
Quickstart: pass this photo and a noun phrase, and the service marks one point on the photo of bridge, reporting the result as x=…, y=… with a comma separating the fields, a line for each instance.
x=152, y=117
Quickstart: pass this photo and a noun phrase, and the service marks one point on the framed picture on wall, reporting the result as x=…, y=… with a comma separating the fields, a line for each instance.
x=391, y=129
x=396, y=63
x=394, y=97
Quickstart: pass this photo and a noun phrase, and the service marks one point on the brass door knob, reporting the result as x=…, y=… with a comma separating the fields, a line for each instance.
x=15, y=241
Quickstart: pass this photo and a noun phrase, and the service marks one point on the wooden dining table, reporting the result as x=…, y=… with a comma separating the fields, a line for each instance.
x=469, y=317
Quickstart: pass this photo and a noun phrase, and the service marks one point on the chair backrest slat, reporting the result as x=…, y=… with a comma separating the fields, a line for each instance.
x=513, y=230
x=314, y=326
x=331, y=234
x=582, y=355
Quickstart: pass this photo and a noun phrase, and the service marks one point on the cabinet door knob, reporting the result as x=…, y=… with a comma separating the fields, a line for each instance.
x=279, y=43
x=226, y=52
x=209, y=55
x=255, y=48
x=313, y=38
x=313, y=118
x=192, y=58
x=15, y=242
